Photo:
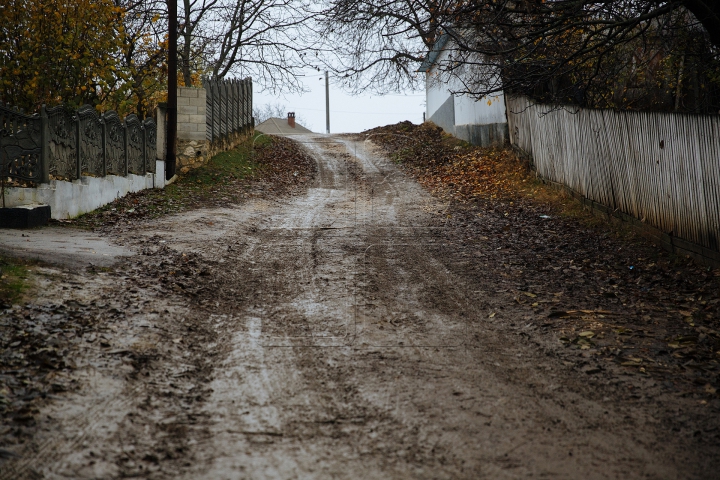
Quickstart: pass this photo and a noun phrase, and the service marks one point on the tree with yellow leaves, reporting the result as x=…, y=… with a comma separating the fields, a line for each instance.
x=143, y=58
x=58, y=51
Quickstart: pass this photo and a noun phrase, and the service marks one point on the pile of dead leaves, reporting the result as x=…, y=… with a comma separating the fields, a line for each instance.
x=284, y=166
x=449, y=167
x=487, y=173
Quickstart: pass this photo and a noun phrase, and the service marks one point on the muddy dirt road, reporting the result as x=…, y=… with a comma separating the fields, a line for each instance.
x=326, y=336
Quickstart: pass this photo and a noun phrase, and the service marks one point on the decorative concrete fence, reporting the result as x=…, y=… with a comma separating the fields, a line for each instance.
x=75, y=161
x=228, y=107
x=61, y=144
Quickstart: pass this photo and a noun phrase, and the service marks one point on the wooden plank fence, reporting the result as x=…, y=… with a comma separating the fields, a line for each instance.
x=661, y=168
x=228, y=107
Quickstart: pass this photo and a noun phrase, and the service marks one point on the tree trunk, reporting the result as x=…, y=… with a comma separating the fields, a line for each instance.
x=187, y=47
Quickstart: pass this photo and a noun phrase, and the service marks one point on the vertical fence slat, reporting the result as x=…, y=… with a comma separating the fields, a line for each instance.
x=44, y=146
x=245, y=116
x=103, y=140
x=668, y=205
x=233, y=106
x=236, y=105
x=208, y=110
x=680, y=194
x=126, y=151
x=712, y=167
x=216, y=110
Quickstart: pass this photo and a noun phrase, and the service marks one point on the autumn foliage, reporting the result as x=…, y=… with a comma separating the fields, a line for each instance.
x=449, y=167
x=55, y=51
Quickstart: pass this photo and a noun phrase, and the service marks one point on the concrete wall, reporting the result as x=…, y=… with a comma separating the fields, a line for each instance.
x=193, y=149
x=483, y=135
x=469, y=111
x=161, y=122
x=70, y=199
x=480, y=122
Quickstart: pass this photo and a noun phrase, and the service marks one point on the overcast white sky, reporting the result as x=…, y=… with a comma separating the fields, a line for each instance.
x=348, y=114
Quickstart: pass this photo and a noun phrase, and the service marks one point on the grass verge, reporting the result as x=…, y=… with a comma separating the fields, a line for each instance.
x=14, y=280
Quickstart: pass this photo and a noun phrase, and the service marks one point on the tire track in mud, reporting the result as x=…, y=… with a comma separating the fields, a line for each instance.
x=334, y=338
x=288, y=290
x=290, y=402
x=293, y=399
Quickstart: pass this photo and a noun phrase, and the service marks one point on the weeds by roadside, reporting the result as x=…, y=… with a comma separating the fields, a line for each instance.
x=14, y=280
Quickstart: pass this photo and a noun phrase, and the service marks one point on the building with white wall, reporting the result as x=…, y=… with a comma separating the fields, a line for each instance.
x=480, y=122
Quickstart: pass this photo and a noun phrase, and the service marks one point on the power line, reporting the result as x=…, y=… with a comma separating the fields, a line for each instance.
x=361, y=113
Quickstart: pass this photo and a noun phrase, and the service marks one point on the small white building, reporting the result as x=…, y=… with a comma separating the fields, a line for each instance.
x=480, y=122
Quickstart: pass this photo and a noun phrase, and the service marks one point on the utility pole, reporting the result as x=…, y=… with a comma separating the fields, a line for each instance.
x=172, y=91
x=327, y=103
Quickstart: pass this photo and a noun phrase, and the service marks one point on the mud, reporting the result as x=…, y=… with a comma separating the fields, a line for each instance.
x=74, y=249
x=330, y=335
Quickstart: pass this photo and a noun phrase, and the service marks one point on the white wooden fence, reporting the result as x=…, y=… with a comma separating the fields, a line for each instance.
x=661, y=168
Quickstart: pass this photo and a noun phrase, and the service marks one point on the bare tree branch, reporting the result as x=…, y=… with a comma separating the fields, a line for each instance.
x=269, y=40
x=608, y=53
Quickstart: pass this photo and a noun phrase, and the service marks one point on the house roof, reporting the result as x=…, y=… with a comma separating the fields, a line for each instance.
x=431, y=57
x=279, y=126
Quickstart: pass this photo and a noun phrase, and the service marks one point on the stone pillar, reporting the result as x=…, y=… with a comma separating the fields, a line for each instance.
x=192, y=147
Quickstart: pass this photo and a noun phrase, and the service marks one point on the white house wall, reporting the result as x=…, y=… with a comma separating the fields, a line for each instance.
x=481, y=112
x=436, y=93
x=482, y=122
x=436, y=96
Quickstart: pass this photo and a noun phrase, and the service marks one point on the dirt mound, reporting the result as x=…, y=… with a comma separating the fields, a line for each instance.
x=450, y=167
